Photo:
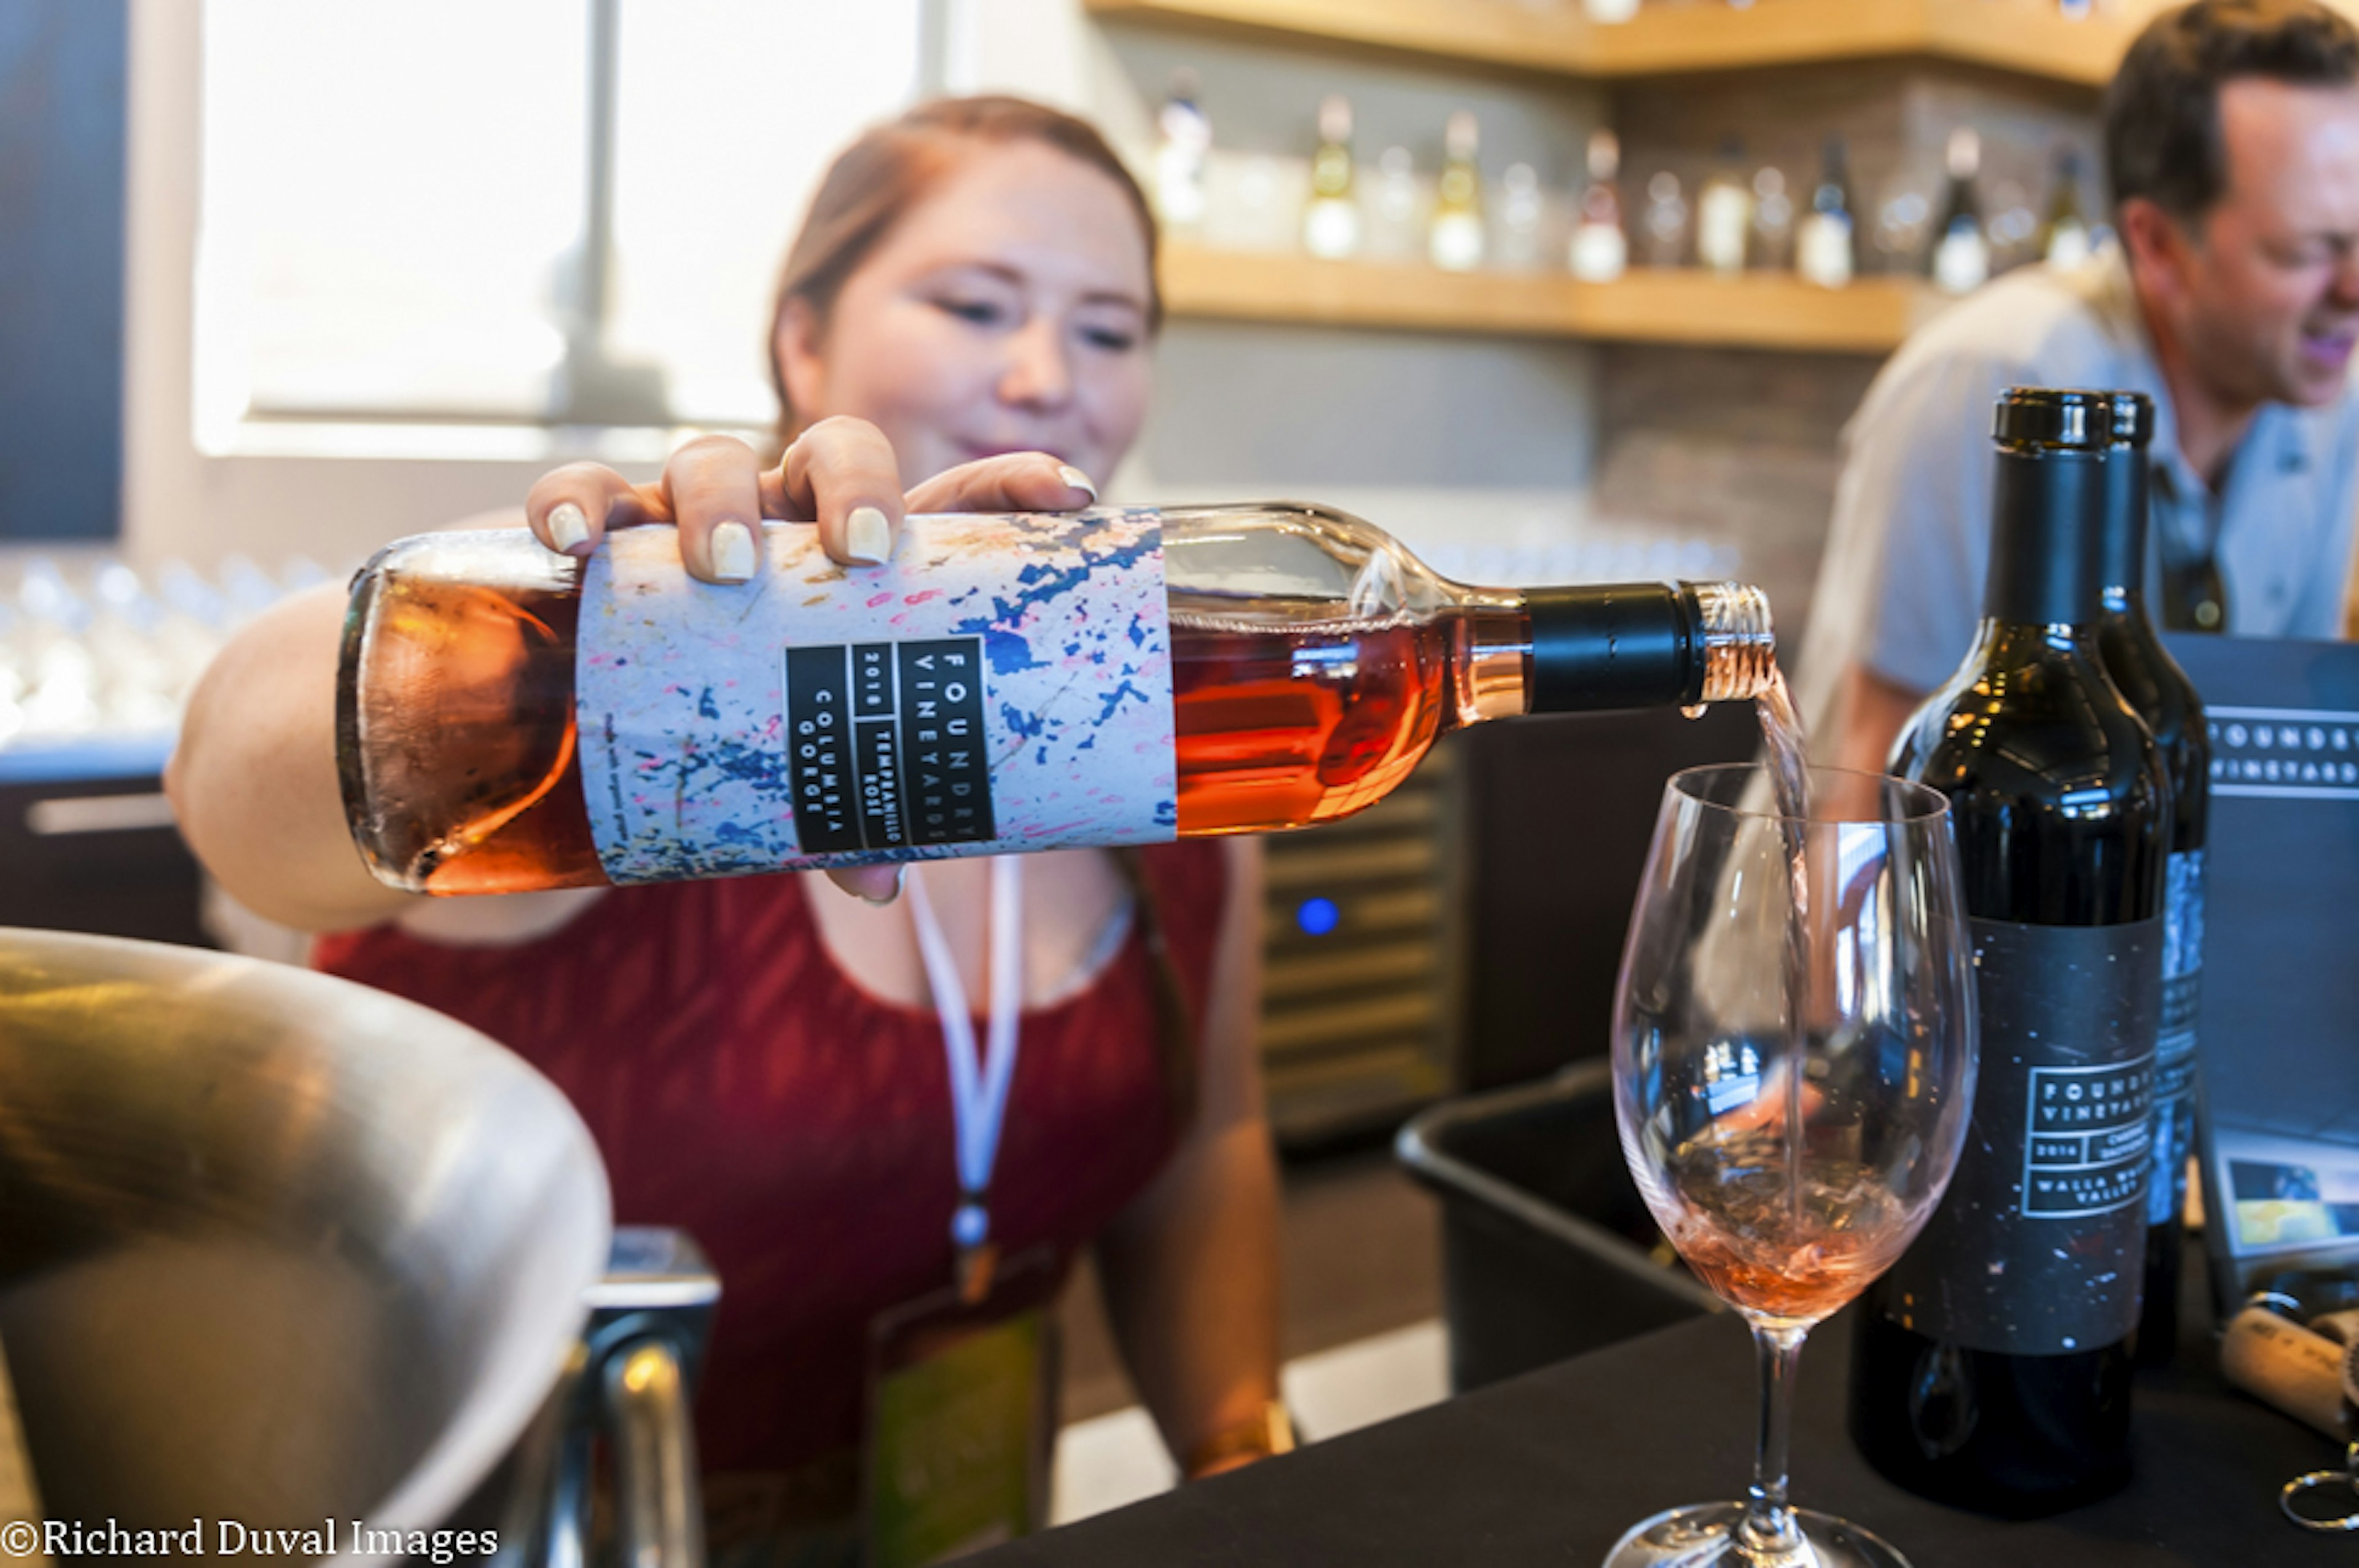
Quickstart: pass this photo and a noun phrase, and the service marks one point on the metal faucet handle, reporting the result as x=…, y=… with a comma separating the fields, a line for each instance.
x=631, y=1382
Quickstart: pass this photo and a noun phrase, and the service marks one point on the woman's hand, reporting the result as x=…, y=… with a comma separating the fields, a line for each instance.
x=841, y=474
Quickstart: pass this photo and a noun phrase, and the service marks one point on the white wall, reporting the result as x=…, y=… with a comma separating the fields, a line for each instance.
x=1241, y=410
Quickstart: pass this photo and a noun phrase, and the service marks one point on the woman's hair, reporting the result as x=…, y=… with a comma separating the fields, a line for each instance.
x=892, y=167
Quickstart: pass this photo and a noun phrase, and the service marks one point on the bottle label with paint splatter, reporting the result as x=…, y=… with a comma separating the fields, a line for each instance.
x=1003, y=684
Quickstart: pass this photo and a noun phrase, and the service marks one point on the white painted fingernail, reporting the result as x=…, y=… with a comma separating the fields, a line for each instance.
x=569, y=528
x=900, y=875
x=733, y=552
x=1077, y=479
x=867, y=536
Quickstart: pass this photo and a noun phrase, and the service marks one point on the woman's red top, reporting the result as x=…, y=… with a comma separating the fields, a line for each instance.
x=740, y=1087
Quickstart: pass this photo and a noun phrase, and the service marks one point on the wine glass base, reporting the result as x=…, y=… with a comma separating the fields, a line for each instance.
x=1704, y=1535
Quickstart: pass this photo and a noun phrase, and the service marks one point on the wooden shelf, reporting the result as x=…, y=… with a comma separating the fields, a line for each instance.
x=2030, y=37
x=1759, y=310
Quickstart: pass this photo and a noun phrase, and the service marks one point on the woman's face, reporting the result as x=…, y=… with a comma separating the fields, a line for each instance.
x=1005, y=312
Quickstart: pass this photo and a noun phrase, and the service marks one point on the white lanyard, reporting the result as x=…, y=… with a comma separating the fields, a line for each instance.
x=978, y=1087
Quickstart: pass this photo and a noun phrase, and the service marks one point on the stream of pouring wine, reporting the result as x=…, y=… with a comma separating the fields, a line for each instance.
x=1789, y=777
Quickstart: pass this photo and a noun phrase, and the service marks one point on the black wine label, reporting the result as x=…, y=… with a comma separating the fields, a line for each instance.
x=2038, y=1248
x=2174, y=1057
x=885, y=744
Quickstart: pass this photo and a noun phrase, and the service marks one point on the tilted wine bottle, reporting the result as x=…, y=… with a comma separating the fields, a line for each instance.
x=1991, y=1365
x=508, y=718
x=2160, y=692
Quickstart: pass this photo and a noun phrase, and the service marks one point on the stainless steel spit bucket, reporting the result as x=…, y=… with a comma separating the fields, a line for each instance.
x=275, y=1249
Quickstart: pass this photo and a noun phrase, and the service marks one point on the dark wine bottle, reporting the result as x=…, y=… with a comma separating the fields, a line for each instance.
x=2160, y=692
x=1959, y=257
x=1826, y=246
x=2064, y=239
x=1991, y=1365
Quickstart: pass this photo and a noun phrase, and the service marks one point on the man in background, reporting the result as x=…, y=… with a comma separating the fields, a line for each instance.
x=2231, y=146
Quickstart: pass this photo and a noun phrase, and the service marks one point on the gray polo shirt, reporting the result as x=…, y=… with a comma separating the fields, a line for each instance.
x=1900, y=588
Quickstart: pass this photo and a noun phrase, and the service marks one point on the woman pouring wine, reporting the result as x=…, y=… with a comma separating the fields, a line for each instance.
x=962, y=324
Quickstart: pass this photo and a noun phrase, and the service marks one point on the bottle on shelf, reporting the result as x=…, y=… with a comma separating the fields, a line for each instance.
x=1666, y=223
x=1455, y=242
x=1770, y=247
x=1253, y=203
x=1992, y=1365
x=1183, y=144
x=2065, y=239
x=1600, y=249
x=508, y=718
x=1895, y=233
x=1394, y=232
x=1330, y=219
x=1724, y=213
x=1959, y=258
x=1522, y=212
x=1825, y=240
x=2158, y=691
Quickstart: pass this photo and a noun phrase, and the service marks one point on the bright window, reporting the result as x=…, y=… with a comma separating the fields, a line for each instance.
x=396, y=208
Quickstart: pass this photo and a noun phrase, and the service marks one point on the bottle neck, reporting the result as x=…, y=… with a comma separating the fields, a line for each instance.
x=2047, y=566
x=1572, y=650
x=1491, y=666
x=2123, y=559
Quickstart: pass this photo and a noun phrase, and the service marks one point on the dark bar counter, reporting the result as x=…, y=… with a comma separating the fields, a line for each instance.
x=1553, y=1467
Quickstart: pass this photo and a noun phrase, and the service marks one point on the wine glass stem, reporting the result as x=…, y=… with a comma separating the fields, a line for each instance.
x=1769, y=1530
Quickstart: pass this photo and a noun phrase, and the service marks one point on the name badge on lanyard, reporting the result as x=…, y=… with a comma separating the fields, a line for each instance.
x=960, y=1380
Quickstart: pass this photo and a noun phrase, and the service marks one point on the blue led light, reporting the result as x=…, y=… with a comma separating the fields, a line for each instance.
x=1318, y=916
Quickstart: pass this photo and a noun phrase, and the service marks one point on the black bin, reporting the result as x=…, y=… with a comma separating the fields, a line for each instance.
x=1546, y=1245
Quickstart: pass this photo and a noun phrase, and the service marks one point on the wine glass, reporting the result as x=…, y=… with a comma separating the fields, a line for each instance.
x=1793, y=1066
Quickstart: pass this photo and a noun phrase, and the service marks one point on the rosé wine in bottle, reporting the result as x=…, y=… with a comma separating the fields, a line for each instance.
x=510, y=720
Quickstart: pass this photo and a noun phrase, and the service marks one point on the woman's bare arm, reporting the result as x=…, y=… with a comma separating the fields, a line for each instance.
x=253, y=778
x=1190, y=1268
